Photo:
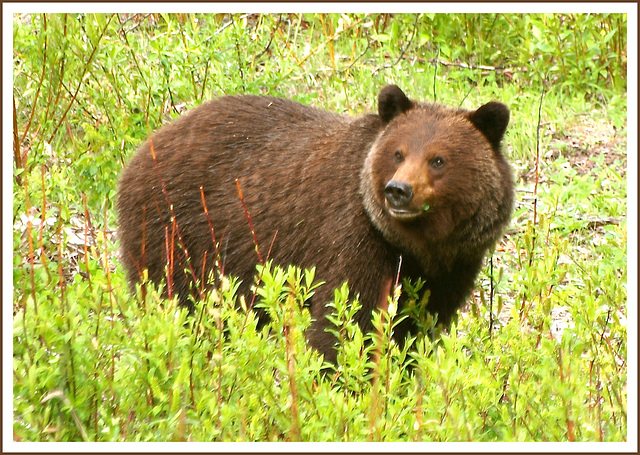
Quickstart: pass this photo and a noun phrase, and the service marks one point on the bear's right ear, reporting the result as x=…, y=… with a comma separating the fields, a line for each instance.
x=392, y=102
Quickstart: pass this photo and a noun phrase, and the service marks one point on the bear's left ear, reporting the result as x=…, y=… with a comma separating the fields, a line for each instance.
x=491, y=120
x=392, y=102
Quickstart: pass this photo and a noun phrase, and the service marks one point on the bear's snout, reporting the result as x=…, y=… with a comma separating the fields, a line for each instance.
x=398, y=196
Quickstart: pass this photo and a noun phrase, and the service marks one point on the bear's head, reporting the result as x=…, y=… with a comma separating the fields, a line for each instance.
x=436, y=174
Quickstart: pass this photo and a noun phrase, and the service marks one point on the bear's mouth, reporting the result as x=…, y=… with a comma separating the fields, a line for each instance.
x=404, y=214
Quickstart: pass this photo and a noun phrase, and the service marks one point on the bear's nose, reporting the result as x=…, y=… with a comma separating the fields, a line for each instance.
x=398, y=194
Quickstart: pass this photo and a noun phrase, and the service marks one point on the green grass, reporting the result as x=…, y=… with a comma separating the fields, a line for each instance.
x=540, y=354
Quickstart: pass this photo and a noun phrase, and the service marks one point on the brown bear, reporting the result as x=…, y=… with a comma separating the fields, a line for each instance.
x=346, y=195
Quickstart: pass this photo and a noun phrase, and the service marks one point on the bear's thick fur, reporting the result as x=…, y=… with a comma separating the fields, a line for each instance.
x=346, y=195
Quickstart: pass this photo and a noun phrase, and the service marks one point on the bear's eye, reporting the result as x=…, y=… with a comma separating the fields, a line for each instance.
x=398, y=156
x=437, y=162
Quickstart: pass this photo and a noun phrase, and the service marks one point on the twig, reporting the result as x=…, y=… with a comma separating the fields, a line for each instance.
x=273, y=33
x=62, y=397
x=355, y=60
x=402, y=51
x=500, y=69
x=246, y=214
x=44, y=67
x=333, y=37
x=16, y=143
x=228, y=24
x=174, y=221
x=32, y=260
x=537, y=170
x=169, y=249
x=137, y=24
x=491, y=295
x=435, y=78
x=291, y=370
x=87, y=223
x=213, y=233
x=84, y=71
x=259, y=282
x=133, y=55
